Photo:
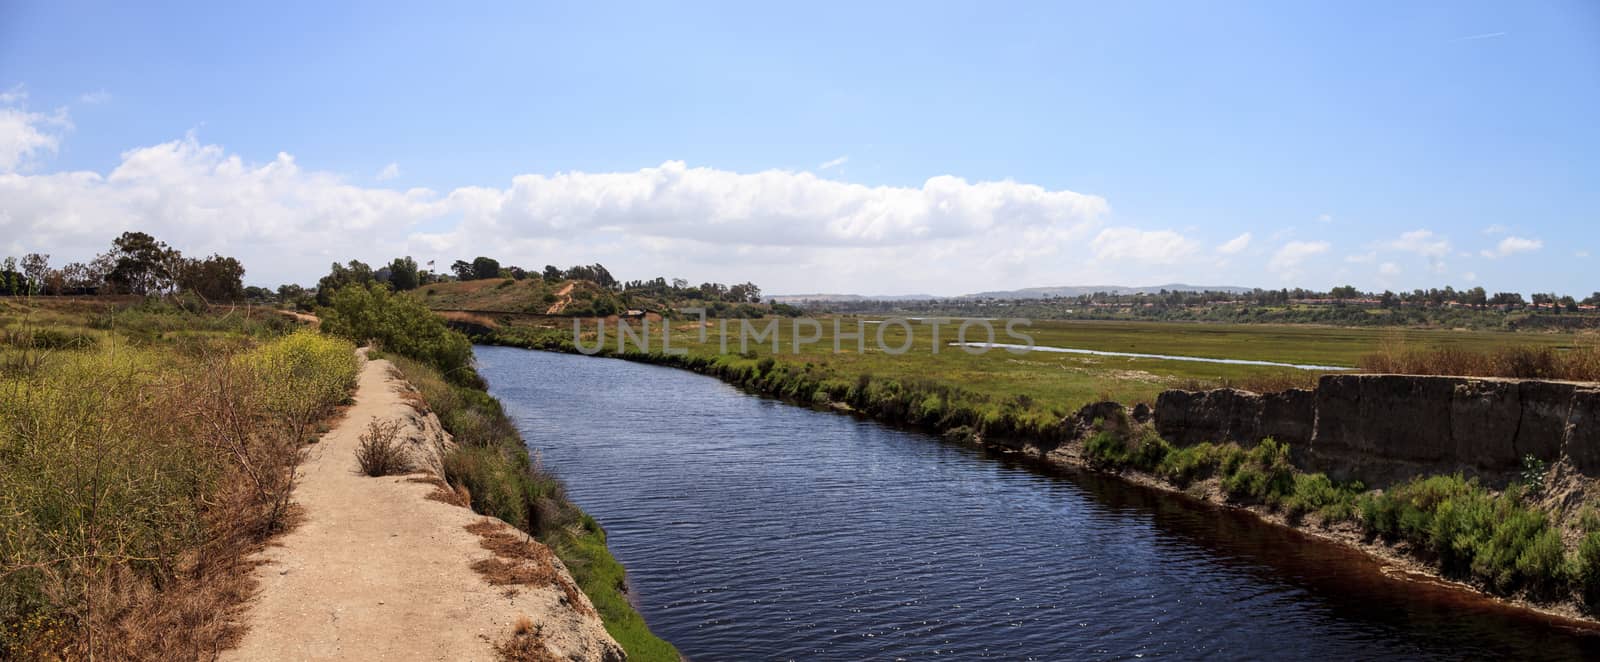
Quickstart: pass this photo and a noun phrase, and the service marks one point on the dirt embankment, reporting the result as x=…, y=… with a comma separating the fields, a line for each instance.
x=1383, y=428
x=391, y=568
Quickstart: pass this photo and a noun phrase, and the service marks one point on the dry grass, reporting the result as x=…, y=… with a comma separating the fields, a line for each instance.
x=1575, y=364
x=526, y=643
x=443, y=493
x=382, y=452
x=139, y=483
x=519, y=559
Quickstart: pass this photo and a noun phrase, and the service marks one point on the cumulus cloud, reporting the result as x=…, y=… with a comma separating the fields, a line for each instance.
x=96, y=97
x=388, y=172
x=1512, y=246
x=1325, y=218
x=1496, y=229
x=1290, y=257
x=24, y=135
x=1149, y=247
x=1362, y=258
x=1389, y=269
x=1234, y=245
x=834, y=163
x=787, y=228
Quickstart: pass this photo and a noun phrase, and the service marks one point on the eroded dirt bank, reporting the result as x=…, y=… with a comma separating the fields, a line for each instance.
x=379, y=570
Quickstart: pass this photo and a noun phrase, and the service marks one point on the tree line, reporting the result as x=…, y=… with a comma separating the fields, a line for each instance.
x=136, y=264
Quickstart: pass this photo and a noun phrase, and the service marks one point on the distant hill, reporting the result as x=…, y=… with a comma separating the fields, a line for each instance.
x=1025, y=293
x=1079, y=290
x=798, y=298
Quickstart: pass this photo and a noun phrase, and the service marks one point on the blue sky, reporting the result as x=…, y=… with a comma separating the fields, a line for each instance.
x=1385, y=146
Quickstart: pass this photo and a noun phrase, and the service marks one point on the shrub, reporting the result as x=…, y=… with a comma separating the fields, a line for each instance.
x=382, y=452
x=1316, y=493
x=399, y=324
x=1496, y=539
x=1262, y=473
x=1586, y=569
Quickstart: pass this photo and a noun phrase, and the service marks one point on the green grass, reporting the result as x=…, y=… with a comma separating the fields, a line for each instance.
x=1036, y=387
x=601, y=576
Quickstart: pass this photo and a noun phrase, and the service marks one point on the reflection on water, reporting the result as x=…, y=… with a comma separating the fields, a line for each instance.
x=753, y=529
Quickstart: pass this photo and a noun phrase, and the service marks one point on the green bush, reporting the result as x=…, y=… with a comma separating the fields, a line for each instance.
x=1316, y=493
x=1494, y=538
x=1586, y=569
x=1262, y=473
x=399, y=324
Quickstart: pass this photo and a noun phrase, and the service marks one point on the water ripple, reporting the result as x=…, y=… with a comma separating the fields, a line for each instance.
x=755, y=530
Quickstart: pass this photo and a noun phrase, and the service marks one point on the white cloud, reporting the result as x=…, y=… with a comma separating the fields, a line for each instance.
x=17, y=94
x=1421, y=242
x=1291, y=256
x=1325, y=218
x=1362, y=258
x=790, y=230
x=1389, y=269
x=1496, y=229
x=1469, y=276
x=1148, y=247
x=389, y=172
x=1512, y=246
x=26, y=135
x=1581, y=254
x=1234, y=245
x=95, y=97
x=834, y=163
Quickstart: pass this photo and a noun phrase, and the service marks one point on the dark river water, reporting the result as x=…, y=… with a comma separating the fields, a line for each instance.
x=753, y=529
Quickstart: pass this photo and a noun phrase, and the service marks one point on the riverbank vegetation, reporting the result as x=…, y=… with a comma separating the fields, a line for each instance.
x=1502, y=540
x=490, y=462
x=146, y=449
x=1498, y=540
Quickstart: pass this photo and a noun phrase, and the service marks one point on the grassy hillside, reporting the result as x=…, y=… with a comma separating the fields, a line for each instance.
x=572, y=298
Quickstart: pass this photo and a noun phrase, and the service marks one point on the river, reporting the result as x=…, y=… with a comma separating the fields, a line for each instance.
x=753, y=529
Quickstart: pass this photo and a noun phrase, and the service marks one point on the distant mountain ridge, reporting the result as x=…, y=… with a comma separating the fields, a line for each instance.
x=1024, y=293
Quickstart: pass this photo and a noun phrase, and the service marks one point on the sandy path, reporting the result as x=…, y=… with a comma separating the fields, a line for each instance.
x=378, y=571
x=561, y=304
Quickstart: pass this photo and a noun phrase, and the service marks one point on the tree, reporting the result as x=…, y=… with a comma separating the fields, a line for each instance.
x=215, y=278
x=1506, y=299
x=403, y=274
x=485, y=268
x=1476, y=297
x=1387, y=299
x=1345, y=292
x=1593, y=299
x=141, y=265
x=552, y=273
x=462, y=269
x=35, y=266
x=341, y=276
x=80, y=278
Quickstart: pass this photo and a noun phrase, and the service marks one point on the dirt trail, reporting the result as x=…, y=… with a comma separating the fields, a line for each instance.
x=561, y=304
x=376, y=570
